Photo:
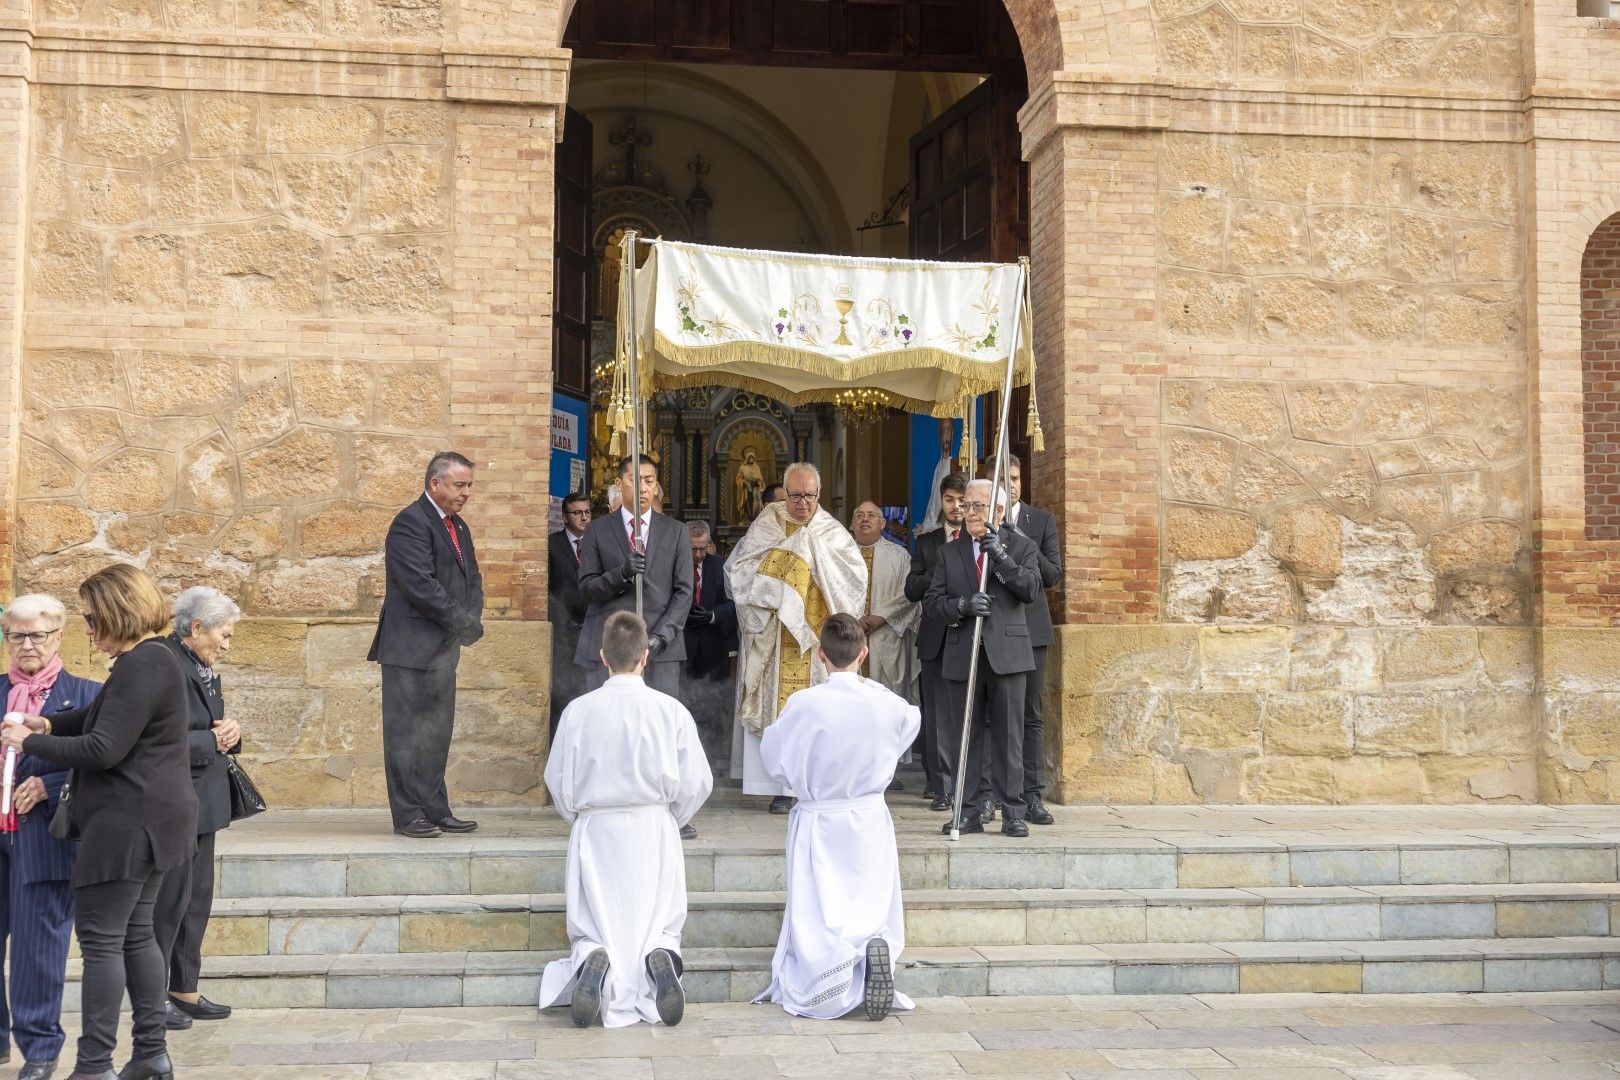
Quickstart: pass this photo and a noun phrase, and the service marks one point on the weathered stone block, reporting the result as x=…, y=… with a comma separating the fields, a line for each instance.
x=1193, y=532
x=1434, y=657
x=1276, y=779
x=1243, y=658
x=1217, y=721
x=1378, y=779
x=1206, y=306
x=1399, y=723
x=489, y=931
x=1309, y=540
x=1580, y=661
x=1309, y=724
x=1301, y=978
x=1232, y=869
x=1296, y=309
x=1324, y=658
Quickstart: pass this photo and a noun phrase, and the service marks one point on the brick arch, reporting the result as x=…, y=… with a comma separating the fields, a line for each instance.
x=1600, y=378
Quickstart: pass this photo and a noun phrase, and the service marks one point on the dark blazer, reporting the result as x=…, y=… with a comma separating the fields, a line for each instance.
x=666, y=591
x=709, y=646
x=1006, y=632
x=205, y=707
x=930, y=629
x=132, y=796
x=567, y=606
x=433, y=603
x=41, y=856
x=1041, y=529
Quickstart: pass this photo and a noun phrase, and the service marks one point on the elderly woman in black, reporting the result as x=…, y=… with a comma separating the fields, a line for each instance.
x=133, y=805
x=204, y=620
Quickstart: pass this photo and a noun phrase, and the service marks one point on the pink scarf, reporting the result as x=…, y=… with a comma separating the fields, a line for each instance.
x=28, y=692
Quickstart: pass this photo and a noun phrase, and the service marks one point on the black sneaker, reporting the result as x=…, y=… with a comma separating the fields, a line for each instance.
x=1037, y=813
x=689, y=831
x=879, y=979
x=668, y=997
x=781, y=804
x=587, y=1004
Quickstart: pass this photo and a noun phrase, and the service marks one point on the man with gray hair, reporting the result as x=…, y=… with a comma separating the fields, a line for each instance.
x=1008, y=564
x=795, y=567
x=433, y=605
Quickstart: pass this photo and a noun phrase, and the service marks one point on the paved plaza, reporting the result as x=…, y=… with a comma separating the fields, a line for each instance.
x=1561, y=1036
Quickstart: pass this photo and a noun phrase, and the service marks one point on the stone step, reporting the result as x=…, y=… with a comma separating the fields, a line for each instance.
x=939, y=917
x=512, y=978
x=259, y=865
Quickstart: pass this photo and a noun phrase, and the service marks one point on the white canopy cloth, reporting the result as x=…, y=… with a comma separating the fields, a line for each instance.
x=835, y=747
x=627, y=771
x=930, y=335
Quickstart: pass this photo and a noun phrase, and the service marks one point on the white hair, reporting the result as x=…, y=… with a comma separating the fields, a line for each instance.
x=1000, y=497
x=201, y=604
x=802, y=467
x=35, y=606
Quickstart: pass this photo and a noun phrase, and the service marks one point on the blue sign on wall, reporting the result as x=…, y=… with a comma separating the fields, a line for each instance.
x=570, y=448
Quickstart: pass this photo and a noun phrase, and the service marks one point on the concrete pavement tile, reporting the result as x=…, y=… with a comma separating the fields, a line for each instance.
x=1032, y=1003
x=435, y=1070
x=1559, y=1071
x=1009, y=1062
x=1408, y=1072
x=256, y=1072
x=569, y=1069
x=740, y=1067
x=924, y=1020
x=1175, y=1058
x=900, y=1041
x=861, y=1066
x=1270, y=1074
x=1481, y=1053
x=1298, y=1057
x=1186, y=1018
x=766, y=1045
x=318, y=1053
x=1119, y=1002
x=1418, y=1014
x=1367, y=1034
x=1144, y=1074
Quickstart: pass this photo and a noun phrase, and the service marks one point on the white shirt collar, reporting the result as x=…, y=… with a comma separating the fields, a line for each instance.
x=1012, y=512
x=437, y=508
x=624, y=516
x=573, y=537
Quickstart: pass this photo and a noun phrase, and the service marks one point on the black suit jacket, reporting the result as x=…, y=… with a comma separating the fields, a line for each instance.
x=930, y=629
x=433, y=603
x=205, y=707
x=566, y=603
x=1006, y=632
x=1040, y=527
x=709, y=645
x=666, y=591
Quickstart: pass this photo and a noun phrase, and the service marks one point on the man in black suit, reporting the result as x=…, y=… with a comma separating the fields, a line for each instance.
x=616, y=551
x=1005, y=659
x=711, y=642
x=931, y=638
x=1041, y=529
x=564, y=602
x=433, y=605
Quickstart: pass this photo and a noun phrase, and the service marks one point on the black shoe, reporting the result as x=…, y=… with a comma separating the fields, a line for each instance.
x=173, y=1018
x=668, y=997
x=1037, y=813
x=420, y=829
x=455, y=824
x=688, y=831
x=1013, y=827
x=108, y=1075
x=896, y=785
x=930, y=793
x=587, y=1004
x=879, y=980
x=968, y=825
x=781, y=804
x=941, y=802
x=158, y=1068
x=201, y=1009
x=37, y=1070
x=987, y=812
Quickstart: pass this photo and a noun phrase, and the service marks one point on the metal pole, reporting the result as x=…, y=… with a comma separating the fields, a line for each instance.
x=627, y=280
x=984, y=574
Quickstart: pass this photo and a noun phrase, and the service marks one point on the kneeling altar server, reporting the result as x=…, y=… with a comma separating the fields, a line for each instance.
x=627, y=771
x=835, y=747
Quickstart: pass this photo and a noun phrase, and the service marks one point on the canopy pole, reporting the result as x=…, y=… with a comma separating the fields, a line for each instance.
x=984, y=573
x=627, y=275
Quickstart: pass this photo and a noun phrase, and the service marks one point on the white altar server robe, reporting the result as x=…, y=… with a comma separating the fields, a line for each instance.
x=835, y=747
x=627, y=771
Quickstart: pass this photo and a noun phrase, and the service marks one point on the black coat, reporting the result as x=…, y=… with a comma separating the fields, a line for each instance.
x=563, y=599
x=433, y=603
x=1040, y=527
x=132, y=796
x=205, y=708
x=666, y=590
x=709, y=645
x=931, y=629
x=1006, y=641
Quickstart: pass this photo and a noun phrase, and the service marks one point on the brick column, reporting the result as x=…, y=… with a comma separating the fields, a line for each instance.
x=14, y=128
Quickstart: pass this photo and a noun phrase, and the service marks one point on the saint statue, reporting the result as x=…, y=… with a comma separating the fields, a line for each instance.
x=750, y=484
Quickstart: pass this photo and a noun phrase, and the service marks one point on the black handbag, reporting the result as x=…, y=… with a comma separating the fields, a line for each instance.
x=245, y=798
x=61, y=824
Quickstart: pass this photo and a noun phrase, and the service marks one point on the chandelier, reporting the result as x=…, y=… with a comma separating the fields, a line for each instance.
x=859, y=407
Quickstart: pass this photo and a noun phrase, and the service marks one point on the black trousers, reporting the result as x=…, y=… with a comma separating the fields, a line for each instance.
x=567, y=677
x=1035, y=729
x=664, y=675
x=120, y=953
x=997, y=737
x=935, y=699
x=181, y=917
x=419, y=712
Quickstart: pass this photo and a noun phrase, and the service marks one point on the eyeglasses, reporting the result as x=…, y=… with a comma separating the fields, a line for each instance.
x=38, y=637
x=976, y=508
x=577, y=513
x=803, y=496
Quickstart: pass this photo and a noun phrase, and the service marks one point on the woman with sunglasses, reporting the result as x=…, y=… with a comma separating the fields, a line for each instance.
x=133, y=804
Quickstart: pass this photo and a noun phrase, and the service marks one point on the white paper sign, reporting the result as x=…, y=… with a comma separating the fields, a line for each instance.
x=565, y=432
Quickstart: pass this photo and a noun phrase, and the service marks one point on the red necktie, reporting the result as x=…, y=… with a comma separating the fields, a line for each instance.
x=978, y=567
x=575, y=544
x=455, y=541
x=635, y=540
x=954, y=534
x=697, y=587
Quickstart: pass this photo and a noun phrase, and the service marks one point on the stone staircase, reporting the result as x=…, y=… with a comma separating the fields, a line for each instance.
x=327, y=909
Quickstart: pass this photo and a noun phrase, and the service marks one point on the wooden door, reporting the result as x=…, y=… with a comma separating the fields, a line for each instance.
x=970, y=202
x=571, y=275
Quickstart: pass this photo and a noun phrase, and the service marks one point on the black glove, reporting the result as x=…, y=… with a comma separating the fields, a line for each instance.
x=977, y=606
x=699, y=616
x=656, y=644
x=990, y=542
x=471, y=634
x=634, y=563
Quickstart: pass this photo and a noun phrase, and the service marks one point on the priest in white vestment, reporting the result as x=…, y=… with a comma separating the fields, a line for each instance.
x=795, y=566
x=890, y=620
x=835, y=747
x=626, y=771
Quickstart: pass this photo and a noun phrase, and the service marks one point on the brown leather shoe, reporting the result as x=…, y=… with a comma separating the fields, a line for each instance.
x=420, y=829
x=455, y=824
